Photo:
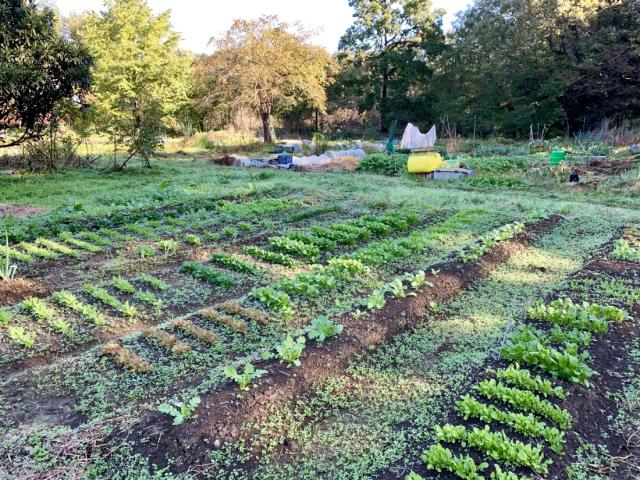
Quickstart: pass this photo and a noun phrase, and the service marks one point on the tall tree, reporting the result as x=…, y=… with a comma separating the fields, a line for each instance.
x=39, y=68
x=602, y=48
x=140, y=75
x=265, y=66
x=500, y=74
x=566, y=64
x=392, y=42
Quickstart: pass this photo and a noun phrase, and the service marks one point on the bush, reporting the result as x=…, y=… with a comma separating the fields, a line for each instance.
x=394, y=164
x=496, y=164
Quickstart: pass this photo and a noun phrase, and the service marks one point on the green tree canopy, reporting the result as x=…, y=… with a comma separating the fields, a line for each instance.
x=264, y=66
x=562, y=64
x=39, y=68
x=391, y=45
x=140, y=76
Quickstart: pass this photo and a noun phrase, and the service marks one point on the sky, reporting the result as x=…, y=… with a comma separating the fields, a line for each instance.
x=199, y=20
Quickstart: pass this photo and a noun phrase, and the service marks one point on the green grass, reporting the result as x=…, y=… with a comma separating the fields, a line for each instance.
x=360, y=422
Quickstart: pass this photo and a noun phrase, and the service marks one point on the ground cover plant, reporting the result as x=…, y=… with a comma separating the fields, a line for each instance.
x=412, y=328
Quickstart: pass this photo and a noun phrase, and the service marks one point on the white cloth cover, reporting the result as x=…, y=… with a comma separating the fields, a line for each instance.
x=412, y=138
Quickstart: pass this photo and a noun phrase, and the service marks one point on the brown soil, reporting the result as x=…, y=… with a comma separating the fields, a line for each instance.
x=16, y=290
x=226, y=413
x=9, y=209
x=342, y=163
x=611, y=167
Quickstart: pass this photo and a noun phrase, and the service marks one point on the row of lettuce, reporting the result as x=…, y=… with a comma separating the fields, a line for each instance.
x=519, y=398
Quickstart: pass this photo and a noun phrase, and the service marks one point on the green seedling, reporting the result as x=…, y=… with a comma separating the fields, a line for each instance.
x=181, y=411
x=289, y=350
x=323, y=328
x=243, y=379
x=21, y=336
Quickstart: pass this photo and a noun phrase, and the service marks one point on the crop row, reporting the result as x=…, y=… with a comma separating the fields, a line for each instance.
x=627, y=248
x=92, y=242
x=45, y=313
x=310, y=245
x=486, y=242
x=321, y=278
x=525, y=395
x=48, y=249
x=230, y=314
x=76, y=220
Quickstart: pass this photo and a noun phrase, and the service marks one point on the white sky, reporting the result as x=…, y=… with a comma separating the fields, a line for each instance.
x=199, y=20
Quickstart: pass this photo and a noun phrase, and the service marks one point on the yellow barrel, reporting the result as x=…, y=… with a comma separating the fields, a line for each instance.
x=424, y=162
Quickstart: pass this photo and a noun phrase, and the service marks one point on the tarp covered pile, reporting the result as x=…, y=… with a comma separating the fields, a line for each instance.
x=413, y=139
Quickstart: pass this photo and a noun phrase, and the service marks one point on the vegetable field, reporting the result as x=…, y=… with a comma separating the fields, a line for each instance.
x=196, y=323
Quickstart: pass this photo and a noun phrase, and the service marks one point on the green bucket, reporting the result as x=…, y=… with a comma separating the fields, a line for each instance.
x=557, y=156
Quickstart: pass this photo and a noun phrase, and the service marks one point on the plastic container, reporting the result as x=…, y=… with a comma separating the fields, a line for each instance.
x=557, y=156
x=424, y=162
x=285, y=159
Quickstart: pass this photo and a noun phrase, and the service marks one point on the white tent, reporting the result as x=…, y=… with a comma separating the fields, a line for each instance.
x=412, y=138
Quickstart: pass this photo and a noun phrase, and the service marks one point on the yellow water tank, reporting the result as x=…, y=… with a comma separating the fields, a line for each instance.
x=424, y=161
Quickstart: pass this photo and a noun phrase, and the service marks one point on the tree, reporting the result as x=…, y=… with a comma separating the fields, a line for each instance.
x=39, y=68
x=140, y=76
x=565, y=64
x=499, y=73
x=262, y=65
x=392, y=43
x=602, y=48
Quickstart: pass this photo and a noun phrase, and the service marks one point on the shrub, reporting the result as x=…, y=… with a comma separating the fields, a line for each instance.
x=382, y=163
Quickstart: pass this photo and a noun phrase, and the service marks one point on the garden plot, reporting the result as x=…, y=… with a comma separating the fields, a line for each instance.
x=222, y=342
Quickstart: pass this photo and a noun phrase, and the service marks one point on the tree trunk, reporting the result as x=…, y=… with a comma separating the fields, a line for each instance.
x=317, y=121
x=267, y=129
x=383, y=100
